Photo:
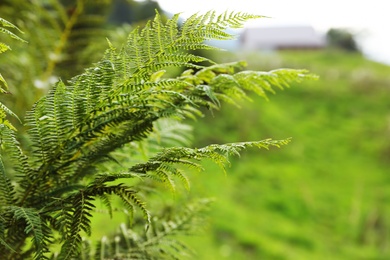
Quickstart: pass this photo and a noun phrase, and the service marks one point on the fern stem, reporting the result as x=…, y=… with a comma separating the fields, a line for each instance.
x=15, y=254
x=63, y=39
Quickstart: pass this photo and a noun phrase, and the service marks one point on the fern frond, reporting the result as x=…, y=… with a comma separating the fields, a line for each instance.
x=169, y=169
x=33, y=227
x=10, y=146
x=80, y=221
x=130, y=199
x=160, y=45
x=4, y=23
x=167, y=133
x=5, y=218
x=3, y=83
x=8, y=142
x=5, y=244
x=161, y=240
x=108, y=111
x=7, y=190
x=260, y=82
x=161, y=163
x=106, y=201
x=3, y=47
x=126, y=194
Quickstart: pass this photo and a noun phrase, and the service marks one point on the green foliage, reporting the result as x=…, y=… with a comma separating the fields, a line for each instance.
x=4, y=24
x=115, y=105
x=62, y=48
x=162, y=241
x=342, y=39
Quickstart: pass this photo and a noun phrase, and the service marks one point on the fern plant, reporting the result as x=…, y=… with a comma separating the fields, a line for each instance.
x=75, y=130
x=4, y=29
x=161, y=241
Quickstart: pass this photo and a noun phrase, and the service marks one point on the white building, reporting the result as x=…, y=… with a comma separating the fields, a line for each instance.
x=281, y=37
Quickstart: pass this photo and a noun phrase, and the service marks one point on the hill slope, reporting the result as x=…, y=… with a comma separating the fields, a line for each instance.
x=324, y=196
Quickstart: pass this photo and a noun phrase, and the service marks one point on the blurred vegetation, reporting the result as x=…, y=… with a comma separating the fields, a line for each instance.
x=64, y=37
x=327, y=194
x=342, y=39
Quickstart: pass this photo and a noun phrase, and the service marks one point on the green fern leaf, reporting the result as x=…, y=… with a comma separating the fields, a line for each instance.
x=80, y=221
x=4, y=23
x=160, y=241
x=219, y=154
x=33, y=227
x=129, y=198
x=3, y=47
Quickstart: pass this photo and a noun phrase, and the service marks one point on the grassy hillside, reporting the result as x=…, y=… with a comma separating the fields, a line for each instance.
x=324, y=196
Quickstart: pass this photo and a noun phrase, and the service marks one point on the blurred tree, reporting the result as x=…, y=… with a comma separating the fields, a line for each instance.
x=342, y=39
x=125, y=11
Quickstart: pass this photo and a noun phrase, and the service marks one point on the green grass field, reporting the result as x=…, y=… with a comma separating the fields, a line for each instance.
x=324, y=196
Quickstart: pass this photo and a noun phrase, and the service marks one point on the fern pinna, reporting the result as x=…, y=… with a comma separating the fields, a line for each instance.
x=76, y=127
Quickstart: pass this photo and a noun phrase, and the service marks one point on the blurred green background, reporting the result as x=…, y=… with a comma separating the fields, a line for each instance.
x=324, y=196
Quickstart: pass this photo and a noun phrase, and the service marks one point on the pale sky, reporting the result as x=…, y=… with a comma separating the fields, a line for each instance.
x=369, y=19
